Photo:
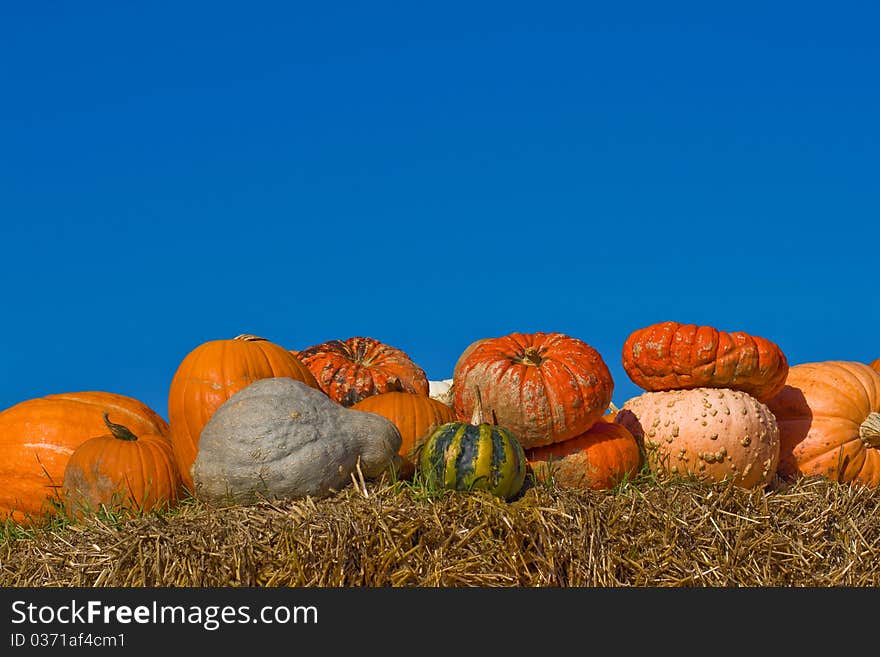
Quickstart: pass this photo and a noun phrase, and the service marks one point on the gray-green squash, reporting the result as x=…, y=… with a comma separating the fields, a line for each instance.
x=278, y=438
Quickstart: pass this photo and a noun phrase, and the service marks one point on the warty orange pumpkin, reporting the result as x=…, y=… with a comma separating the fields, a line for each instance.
x=712, y=434
x=675, y=356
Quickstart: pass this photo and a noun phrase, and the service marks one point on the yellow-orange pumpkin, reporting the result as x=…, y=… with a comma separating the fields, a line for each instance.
x=37, y=437
x=121, y=471
x=415, y=417
x=209, y=375
x=829, y=421
x=598, y=459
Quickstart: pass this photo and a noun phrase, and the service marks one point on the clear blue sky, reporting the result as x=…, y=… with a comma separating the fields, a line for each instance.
x=429, y=174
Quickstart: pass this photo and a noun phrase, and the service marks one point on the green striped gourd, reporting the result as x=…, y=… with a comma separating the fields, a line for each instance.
x=473, y=455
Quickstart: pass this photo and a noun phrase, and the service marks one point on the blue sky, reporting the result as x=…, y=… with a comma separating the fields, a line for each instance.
x=429, y=174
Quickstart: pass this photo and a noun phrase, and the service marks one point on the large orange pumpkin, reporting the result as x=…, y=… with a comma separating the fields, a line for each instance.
x=415, y=417
x=120, y=471
x=37, y=437
x=352, y=369
x=543, y=387
x=712, y=434
x=829, y=421
x=598, y=459
x=209, y=375
x=675, y=356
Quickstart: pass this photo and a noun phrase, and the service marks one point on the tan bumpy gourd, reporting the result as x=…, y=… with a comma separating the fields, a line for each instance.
x=714, y=434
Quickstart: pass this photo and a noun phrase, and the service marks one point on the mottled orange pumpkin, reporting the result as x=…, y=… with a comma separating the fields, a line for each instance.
x=600, y=458
x=37, y=437
x=120, y=471
x=543, y=387
x=209, y=375
x=414, y=415
x=463, y=356
x=712, y=434
x=353, y=369
x=829, y=421
x=675, y=356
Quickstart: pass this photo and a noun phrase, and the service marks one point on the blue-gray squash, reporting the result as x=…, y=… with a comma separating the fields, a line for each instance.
x=278, y=438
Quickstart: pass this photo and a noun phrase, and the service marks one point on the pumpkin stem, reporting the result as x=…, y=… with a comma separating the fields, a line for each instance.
x=531, y=356
x=477, y=417
x=247, y=337
x=870, y=430
x=118, y=431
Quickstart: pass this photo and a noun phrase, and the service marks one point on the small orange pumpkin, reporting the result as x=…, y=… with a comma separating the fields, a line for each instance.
x=209, y=375
x=352, y=369
x=121, y=471
x=876, y=364
x=414, y=415
x=829, y=421
x=598, y=459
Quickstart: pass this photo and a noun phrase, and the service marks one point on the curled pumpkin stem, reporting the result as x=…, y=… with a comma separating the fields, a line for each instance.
x=118, y=431
x=531, y=356
x=869, y=431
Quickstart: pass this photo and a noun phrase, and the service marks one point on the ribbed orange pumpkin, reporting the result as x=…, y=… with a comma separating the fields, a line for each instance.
x=829, y=421
x=543, y=387
x=598, y=459
x=876, y=364
x=352, y=369
x=675, y=356
x=38, y=436
x=209, y=375
x=712, y=434
x=121, y=471
x=414, y=415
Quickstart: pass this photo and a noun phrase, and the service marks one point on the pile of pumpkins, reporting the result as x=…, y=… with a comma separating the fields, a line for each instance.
x=250, y=419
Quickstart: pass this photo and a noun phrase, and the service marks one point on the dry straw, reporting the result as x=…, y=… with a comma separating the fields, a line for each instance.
x=672, y=534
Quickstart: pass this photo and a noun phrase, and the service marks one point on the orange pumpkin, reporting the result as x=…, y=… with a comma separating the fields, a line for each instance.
x=598, y=459
x=353, y=369
x=414, y=415
x=829, y=421
x=876, y=364
x=37, y=437
x=712, y=434
x=543, y=387
x=674, y=356
x=209, y=375
x=611, y=413
x=120, y=471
